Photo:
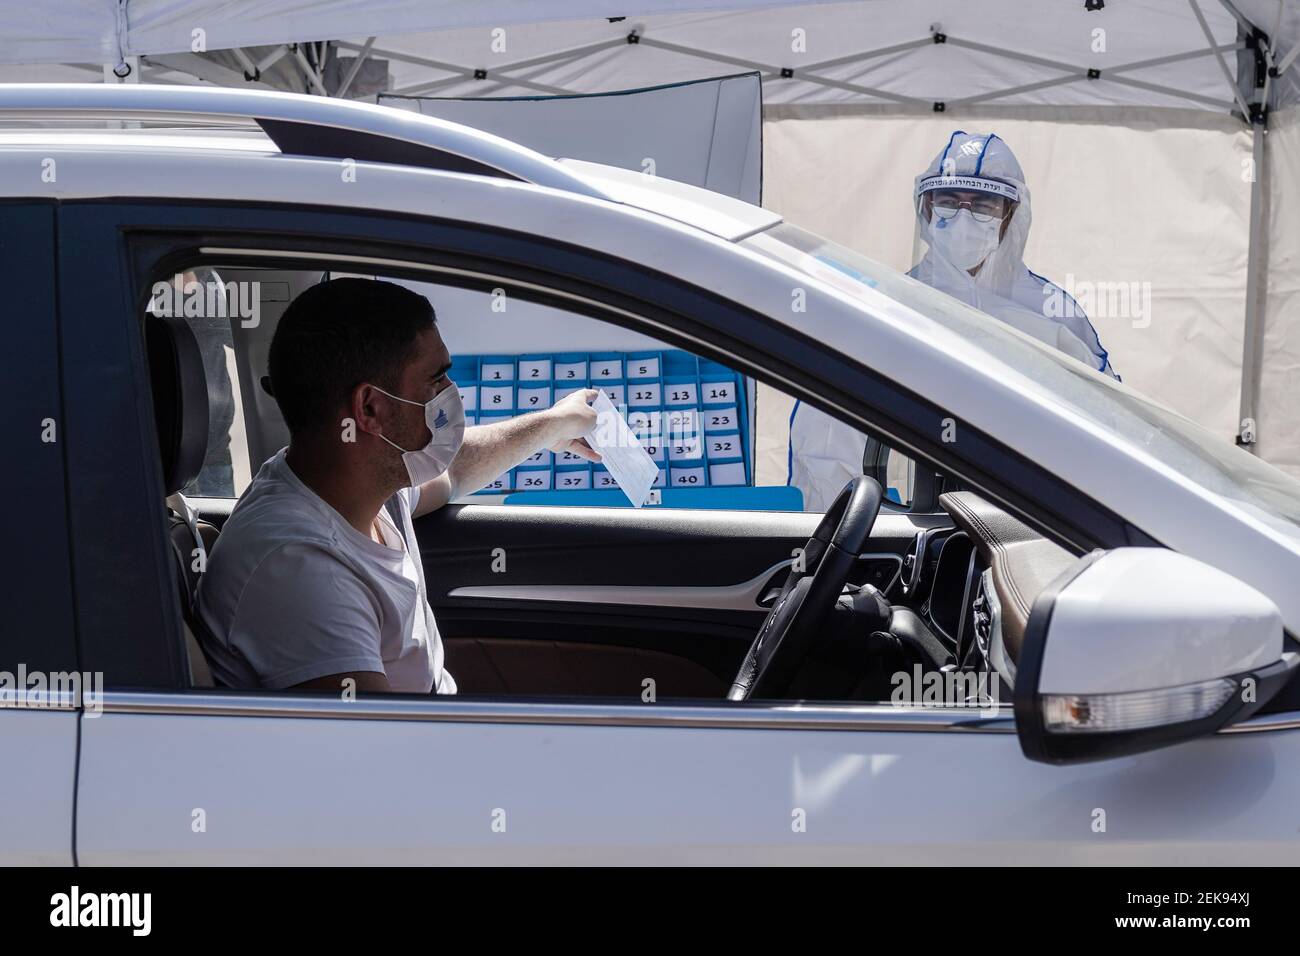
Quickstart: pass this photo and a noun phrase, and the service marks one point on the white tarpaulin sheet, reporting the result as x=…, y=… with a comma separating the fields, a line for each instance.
x=706, y=133
x=1279, y=415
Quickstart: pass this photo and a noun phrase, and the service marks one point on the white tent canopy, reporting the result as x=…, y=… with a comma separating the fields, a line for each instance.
x=1202, y=92
x=908, y=53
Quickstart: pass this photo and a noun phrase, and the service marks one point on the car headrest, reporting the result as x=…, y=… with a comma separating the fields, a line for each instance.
x=180, y=398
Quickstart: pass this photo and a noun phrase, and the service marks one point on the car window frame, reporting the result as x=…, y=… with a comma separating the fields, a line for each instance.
x=40, y=620
x=142, y=239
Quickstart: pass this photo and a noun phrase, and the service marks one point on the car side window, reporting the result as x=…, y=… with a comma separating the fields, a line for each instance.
x=719, y=439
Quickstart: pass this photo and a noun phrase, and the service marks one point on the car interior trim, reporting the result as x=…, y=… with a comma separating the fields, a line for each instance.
x=743, y=596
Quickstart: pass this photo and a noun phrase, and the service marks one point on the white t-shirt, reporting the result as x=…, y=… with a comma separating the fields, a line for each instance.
x=293, y=592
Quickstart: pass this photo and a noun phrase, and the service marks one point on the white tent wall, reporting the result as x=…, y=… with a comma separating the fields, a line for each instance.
x=1279, y=405
x=1146, y=199
x=705, y=133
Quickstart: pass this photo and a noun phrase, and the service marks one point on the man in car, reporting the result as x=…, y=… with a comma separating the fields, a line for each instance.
x=316, y=579
x=973, y=209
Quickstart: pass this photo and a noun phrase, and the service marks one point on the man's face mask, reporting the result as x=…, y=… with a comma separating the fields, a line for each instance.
x=961, y=238
x=445, y=416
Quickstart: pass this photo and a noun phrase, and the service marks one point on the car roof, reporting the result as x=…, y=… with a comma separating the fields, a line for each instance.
x=722, y=215
x=250, y=123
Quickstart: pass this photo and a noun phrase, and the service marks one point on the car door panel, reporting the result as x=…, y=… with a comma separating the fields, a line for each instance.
x=429, y=785
x=708, y=566
x=603, y=599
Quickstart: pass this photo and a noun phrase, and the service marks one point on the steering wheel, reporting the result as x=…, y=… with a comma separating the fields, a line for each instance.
x=808, y=595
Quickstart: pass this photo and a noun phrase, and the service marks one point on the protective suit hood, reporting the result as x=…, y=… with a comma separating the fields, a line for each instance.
x=824, y=452
x=1003, y=287
x=984, y=163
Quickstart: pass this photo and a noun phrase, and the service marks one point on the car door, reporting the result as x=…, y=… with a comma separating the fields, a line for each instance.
x=587, y=585
x=169, y=774
x=38, y=730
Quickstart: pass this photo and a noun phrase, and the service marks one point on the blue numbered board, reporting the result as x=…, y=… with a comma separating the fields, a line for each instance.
x=690, y=413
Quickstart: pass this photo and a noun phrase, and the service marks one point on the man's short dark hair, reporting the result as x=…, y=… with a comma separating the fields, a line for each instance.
x=336, y=335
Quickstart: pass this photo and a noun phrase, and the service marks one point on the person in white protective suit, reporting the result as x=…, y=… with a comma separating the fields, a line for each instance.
x=974, y=214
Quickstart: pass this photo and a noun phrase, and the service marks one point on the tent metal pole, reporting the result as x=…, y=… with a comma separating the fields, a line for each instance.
x=866, y=54
x=1252, y=354
x=1223, y=63
x=420, y=89
x=1012, y=91
x=312, y=77
x=355, y=68
x=456, y=68
x=429, y=86
x=495, y=82
x=1014, y=55
x=1277, y=26
x=1224, y=106
x=1287, y=60
x=856, y=88
x=1220, y=105
x=250, y=69
x=271, y=58
x=202, y=69
x=403, y=57
x=1266, y=49
x=499, y=81
x=1081, y=73
x=707, y=55
x=1172, y=58
x=465, y=73
x=774, y=72
x=568, y=53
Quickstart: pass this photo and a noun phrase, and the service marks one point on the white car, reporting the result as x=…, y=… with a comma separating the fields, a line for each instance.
x=652, y=685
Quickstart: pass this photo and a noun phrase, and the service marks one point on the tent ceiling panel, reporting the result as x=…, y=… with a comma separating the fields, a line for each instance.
x=884, y=52
x=1042, y=57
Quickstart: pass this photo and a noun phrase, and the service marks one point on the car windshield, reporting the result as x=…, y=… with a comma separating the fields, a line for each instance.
x=1178, y=442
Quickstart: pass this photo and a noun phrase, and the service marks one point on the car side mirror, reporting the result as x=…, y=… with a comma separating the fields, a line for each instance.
x=908, y=485
x=1135, y=649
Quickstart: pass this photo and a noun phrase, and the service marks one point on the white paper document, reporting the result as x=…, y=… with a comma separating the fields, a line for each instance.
x=620, y=452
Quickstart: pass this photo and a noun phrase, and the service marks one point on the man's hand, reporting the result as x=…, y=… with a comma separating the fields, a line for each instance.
x=490, y=450
x=571, y=418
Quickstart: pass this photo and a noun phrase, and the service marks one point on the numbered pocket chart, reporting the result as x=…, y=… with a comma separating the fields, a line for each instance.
x=690, y=413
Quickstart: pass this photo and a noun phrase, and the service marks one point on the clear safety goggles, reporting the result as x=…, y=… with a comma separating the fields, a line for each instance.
x=985, y=207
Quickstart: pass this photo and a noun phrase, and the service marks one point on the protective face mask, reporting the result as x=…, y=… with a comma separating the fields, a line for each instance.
x=445, y=416
x=964, y=241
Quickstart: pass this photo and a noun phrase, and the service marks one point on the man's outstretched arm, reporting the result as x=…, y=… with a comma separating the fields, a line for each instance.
x=490, y=450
